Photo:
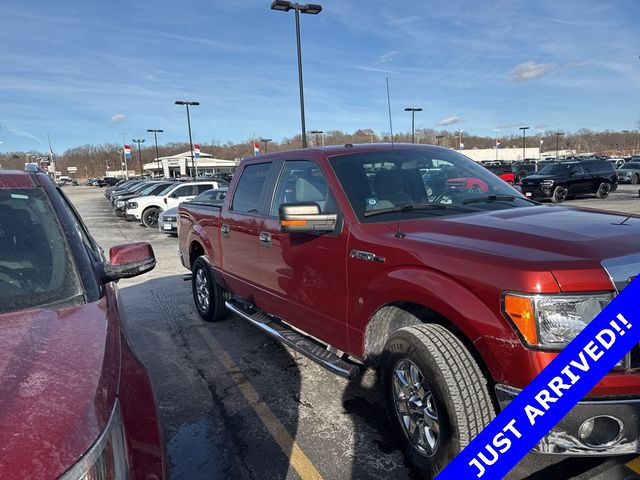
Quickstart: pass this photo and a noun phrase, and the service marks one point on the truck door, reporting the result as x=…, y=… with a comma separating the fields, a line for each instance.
x=240, y=225
x=304, y=275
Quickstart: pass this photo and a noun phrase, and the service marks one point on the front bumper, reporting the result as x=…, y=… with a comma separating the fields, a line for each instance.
x=537, y=191
x=167, y=226
x=564, y=438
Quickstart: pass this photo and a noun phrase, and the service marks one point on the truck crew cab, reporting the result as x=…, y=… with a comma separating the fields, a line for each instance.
x=459, y=297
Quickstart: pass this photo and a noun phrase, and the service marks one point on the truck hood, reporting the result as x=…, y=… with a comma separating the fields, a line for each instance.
x=58, y=381
x=547, y=236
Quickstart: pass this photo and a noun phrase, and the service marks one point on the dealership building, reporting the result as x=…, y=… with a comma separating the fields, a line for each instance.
x=181, y=165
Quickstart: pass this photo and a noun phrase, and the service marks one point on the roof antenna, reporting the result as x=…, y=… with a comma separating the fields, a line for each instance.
x=389, y=105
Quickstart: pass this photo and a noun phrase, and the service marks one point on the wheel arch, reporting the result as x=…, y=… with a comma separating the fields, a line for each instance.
x=395, y=315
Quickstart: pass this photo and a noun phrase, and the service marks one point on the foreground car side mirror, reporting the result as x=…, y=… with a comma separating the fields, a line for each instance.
x=305, y=217
x=129, y=260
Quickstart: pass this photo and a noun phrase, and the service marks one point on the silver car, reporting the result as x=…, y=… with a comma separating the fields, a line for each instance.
x=629, y=172
x=168, y=220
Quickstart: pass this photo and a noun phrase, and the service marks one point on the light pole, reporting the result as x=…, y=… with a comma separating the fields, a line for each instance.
x=413, y=111
x=624, y=141
x=316, y=133
x=558, y=135
x=439, y=139
x=155, y=136
x=460, y=144
x=312, y=9
x=194, y=170
x=139, y=141
x=524, y=141
x=265, y=142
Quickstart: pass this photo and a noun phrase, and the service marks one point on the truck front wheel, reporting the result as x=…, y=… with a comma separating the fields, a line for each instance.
x=437, y=397
x=207, y=294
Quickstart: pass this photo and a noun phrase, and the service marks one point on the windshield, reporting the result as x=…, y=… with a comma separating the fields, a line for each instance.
x=148, y=189
x=406, y=181
x=165, y=189
x=556, y=169
x=35, y=265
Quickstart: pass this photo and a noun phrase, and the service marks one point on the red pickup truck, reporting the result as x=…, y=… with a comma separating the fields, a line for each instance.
x=460, y=298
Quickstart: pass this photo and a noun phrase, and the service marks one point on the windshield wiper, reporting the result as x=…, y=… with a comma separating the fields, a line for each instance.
x=416, y=207
x=490, y=198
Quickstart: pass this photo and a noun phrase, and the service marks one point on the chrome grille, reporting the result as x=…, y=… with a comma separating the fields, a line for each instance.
x=621, y=271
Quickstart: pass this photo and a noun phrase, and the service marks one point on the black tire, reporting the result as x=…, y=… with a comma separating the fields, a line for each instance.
x=603, y=190
x=635, y=178
x=450, y=385
x=207, y=294
x=150, y=217
x=559, y=194
x=474, y=189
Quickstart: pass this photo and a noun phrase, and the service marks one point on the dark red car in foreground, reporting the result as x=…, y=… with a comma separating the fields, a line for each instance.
x=76, y=402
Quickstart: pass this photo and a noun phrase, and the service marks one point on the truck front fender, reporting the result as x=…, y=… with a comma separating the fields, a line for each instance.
x=410, y=294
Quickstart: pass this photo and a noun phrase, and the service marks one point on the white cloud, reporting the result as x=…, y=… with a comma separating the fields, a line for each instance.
x=117, y=118
x=23, y=133
x=386, y=57
x=448, y=121
x=531, y=70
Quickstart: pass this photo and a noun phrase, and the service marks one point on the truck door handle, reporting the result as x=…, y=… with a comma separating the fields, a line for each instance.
x=224, y=230
x=265, y=239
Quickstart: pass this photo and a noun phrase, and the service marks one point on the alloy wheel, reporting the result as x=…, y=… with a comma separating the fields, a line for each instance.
x=415, y=408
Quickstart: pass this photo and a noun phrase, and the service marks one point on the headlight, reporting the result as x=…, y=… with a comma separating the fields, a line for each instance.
x=132, y=205
x=547, y=183
x=552, y=321
x=107, y=457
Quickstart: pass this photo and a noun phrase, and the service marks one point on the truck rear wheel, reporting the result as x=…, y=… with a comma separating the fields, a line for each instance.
x=437, y=397
x=603, y=190
x=207, y=294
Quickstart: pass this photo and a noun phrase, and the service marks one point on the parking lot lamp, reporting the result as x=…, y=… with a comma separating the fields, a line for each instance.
x=155, y=136
x=139, y=141
x=439, y=139
x=316, y=133
x=265, y=142
x=460, y=144
x=194, y=170
x=558, y=135
x=413, y=111
x=524, y=141
x=312, y=9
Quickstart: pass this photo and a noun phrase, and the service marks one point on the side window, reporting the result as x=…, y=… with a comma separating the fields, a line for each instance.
x=184, y=191
x=203, y=188
x=577, y=170
x=302, y=181
x=246, y=198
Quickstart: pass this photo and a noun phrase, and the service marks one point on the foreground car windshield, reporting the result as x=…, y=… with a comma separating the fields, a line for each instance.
x=404, y=181
x=35, y=264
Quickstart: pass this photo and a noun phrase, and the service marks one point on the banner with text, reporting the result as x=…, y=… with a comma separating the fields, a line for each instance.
x=553, y=393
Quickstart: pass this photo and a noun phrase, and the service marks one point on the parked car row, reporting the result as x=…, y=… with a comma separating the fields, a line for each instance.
x=144, y=200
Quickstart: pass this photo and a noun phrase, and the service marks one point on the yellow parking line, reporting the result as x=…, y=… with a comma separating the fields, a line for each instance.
x=634, y=465
x=297, y=458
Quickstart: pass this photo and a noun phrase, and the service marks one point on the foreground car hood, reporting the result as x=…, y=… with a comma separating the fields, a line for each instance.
x=545, y=237
x=58, y=380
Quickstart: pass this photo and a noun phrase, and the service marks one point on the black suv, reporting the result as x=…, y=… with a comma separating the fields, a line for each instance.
x=566, y=179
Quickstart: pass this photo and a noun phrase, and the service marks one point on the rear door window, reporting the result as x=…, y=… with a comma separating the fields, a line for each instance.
x=246, y=198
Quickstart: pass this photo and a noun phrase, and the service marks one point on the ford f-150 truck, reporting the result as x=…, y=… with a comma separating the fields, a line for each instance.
x=459, y=297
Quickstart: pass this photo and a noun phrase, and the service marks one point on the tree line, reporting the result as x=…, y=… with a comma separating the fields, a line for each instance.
x=92, y=160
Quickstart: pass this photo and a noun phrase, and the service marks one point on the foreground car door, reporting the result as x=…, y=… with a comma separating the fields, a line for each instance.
x=304, y=274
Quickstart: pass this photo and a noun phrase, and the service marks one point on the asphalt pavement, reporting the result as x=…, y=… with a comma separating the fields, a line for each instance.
x=235, y=404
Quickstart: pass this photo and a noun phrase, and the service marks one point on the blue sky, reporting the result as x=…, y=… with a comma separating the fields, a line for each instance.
x=87, y=71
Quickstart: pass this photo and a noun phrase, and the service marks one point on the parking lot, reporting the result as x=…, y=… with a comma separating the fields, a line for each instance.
x=235, y=404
